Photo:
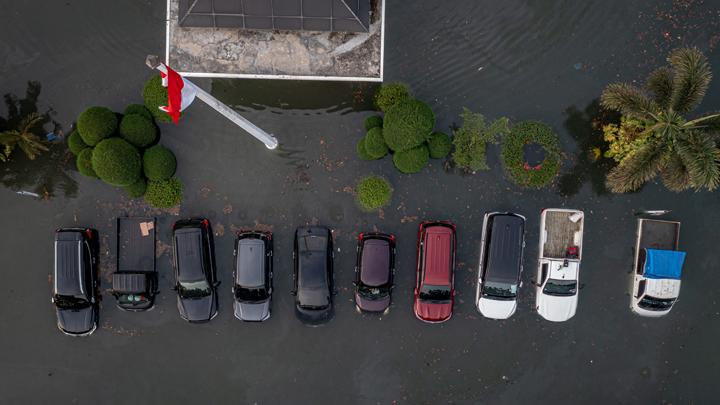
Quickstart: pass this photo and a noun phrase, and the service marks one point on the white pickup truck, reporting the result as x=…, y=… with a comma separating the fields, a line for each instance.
x=561, y=234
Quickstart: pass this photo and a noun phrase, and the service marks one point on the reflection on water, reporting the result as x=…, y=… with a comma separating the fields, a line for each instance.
x=586, y=128
x=48, y=173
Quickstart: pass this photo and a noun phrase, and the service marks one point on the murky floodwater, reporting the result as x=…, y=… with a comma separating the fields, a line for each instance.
x=545, y=60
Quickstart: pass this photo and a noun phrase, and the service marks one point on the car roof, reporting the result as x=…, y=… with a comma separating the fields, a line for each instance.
x=250, y=262
x=375, y=262
x=438, y=247
x=505, y=248
x=312, y=269
x=189, y=254
x=69, y=265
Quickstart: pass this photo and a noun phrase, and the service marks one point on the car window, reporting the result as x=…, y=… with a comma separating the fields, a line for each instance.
x=87, y=270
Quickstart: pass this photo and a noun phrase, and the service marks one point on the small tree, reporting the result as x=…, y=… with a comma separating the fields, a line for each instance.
x=373, y=192
x=390, y=94
x=472, y=138
x=24, y=138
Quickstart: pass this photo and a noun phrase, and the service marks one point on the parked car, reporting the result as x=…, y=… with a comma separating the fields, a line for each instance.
x=253, y=276
x=501, y=252
x=75, y=281
x=434, y=288
x=195, y=273
x=313, y=274
x=135, y=281
x=558, y=273
x=374, y=271
x=657, y=267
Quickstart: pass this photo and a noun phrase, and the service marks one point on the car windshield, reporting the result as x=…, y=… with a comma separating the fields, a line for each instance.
x=194, y=289
x=560, y=288
x=251, y=294
x=132, y=299
x=500, y=291
x=435, y=292
x=70, y=302
x=373, y=292
x=656, y=304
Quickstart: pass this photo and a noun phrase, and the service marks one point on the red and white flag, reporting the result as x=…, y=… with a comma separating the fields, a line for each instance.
x=181, y=92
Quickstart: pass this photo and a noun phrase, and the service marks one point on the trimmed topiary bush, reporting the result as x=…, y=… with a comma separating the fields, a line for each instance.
x=472, y=138
x=117, y=162
x=513, y=154
x=375, y=144
x=75, y=143
x=96, y=124
x=155, y=95
x=387, y=95
x=136, y=189
x=164, y=193
x=374, y=121
x=413, y=160
x=407, y=124
x=373, y=192
x=138, y=109
x=138, y=130
x=84, y=163
x=439, y=145
x=159, y=163
x=361, y=151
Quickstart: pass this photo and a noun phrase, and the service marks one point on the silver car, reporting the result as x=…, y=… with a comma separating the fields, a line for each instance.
x=252, y=285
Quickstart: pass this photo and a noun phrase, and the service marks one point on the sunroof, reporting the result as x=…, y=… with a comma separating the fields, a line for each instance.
x=305, y=15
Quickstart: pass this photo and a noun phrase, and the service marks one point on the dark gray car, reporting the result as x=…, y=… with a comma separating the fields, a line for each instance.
x=252, y=287
x=195, y=274
x=313, y=275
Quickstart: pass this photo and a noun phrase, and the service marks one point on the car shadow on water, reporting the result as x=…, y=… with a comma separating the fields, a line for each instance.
x=49, y=173
x=585, y=126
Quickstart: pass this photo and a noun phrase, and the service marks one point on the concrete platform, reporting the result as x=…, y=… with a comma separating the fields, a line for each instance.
x=294, y=55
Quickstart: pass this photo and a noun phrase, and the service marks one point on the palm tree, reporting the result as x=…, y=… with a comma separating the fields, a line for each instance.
x=683, y=152
x=24, y=138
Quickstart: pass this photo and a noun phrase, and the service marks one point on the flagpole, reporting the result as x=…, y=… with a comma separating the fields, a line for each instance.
x=269, y=140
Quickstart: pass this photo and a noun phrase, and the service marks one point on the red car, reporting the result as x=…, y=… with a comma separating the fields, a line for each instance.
x=434, y=289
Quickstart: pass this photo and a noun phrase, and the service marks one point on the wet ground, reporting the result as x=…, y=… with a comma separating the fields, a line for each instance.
x=528, y=60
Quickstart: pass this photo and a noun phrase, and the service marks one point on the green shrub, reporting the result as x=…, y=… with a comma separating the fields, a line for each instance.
x=407, y=124
x=361, y=151
x=164, y=193
x=84, y=163
x=159, y=163
x=96, y=124
x=137, y=189
x=375, y=144
x=117, y=162
x=373, y=192
x=374, y=121
x=138, y=109
x=387, y=95
x=413, y=160
x=513, y=154
x=155, y=95
x=138, y=130
x=439, y=145
x=75, y=143
x=472, y=138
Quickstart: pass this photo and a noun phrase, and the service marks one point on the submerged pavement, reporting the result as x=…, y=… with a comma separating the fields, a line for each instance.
x=519, y=59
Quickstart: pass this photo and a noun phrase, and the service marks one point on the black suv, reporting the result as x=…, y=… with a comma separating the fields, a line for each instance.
x=75, y=280
x=313, y=274
x=195, y=274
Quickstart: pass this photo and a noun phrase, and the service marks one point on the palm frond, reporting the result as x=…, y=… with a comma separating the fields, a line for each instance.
x=675, y=175
x=627, y=99
x=660, y=83
x=702, y=159
x=9, y=138
x=692, y=78
x=638, y=168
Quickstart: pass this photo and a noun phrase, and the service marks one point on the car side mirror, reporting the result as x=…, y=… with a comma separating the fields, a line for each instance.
x=293, y=292
x=535, y=283
x=416, y=292
x=52, y=299
x=521, y=284
x=217, y=283
x=174, y=288
x=582, y=285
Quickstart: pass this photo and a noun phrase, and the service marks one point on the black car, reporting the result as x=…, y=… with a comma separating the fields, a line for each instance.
x=313, y=274
x=195, y=274
x=252, y=286
x=374, y=271
x=75, y=281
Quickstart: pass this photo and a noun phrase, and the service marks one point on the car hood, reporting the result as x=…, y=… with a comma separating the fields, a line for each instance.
x=252, y=311
x=429, y=311
x=377, y=305
x=314, y=317
x=197, y=310
x=556, y=309
x=496, y=309
x=76, y=322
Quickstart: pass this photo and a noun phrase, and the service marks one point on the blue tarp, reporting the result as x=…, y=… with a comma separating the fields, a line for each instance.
x=664, y=263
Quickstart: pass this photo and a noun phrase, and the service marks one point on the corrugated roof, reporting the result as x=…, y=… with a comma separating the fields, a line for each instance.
x=438, y=255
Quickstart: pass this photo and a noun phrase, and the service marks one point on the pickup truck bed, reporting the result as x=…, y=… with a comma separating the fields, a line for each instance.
x=656, y=234
x=135, y=281
x=561, y=232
